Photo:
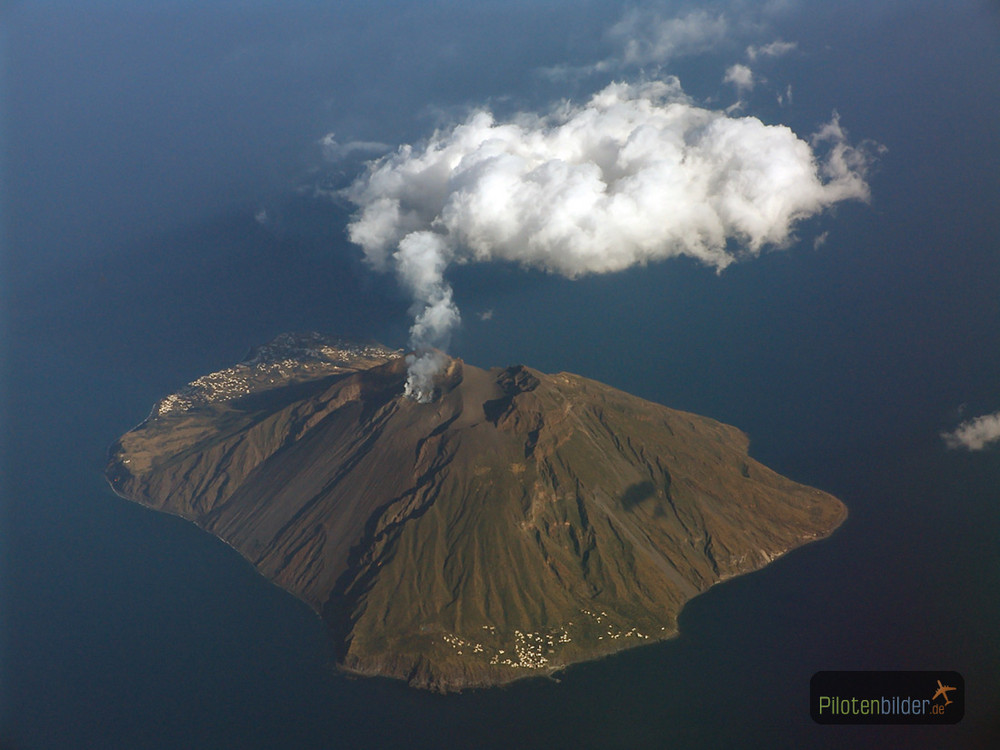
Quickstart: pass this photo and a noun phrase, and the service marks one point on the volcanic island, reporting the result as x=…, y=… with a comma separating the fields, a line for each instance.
x=517, y=523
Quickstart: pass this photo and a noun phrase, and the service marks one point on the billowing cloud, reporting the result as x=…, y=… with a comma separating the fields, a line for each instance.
x=637, y=174
x=975, y=434
x=740, y=76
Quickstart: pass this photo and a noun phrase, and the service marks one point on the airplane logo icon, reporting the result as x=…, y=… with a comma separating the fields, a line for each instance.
x=942, y=691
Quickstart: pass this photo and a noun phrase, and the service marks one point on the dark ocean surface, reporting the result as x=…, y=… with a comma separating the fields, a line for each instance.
x=123, y=628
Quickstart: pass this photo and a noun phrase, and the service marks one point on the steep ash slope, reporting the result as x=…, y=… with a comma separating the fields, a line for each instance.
x=518, y=523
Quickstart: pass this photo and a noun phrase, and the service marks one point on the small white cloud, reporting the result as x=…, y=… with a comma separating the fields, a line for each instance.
x=486, y=315
x=334, y=151
x=650, y=36
x=975, y=434
x=564, y=72
x=740, y=76
x=820, y=241
x=647, y=37
x=774, y=49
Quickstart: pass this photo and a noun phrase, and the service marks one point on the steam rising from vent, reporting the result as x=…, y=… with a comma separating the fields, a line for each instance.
x=420, y=262
x=637, y=174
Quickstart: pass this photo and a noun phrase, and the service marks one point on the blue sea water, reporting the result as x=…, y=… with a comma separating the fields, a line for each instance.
x=123, y=628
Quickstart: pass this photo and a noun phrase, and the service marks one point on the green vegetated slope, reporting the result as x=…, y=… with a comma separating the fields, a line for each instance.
x=519, y=523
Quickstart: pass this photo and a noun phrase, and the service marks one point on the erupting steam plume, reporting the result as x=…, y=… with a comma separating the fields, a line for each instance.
x=638, y=173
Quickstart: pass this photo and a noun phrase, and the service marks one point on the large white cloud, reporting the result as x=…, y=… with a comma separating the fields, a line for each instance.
x=975, y=434
x=639, y=173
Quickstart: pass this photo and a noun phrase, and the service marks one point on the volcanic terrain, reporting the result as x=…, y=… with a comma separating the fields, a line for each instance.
x=518, y=523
